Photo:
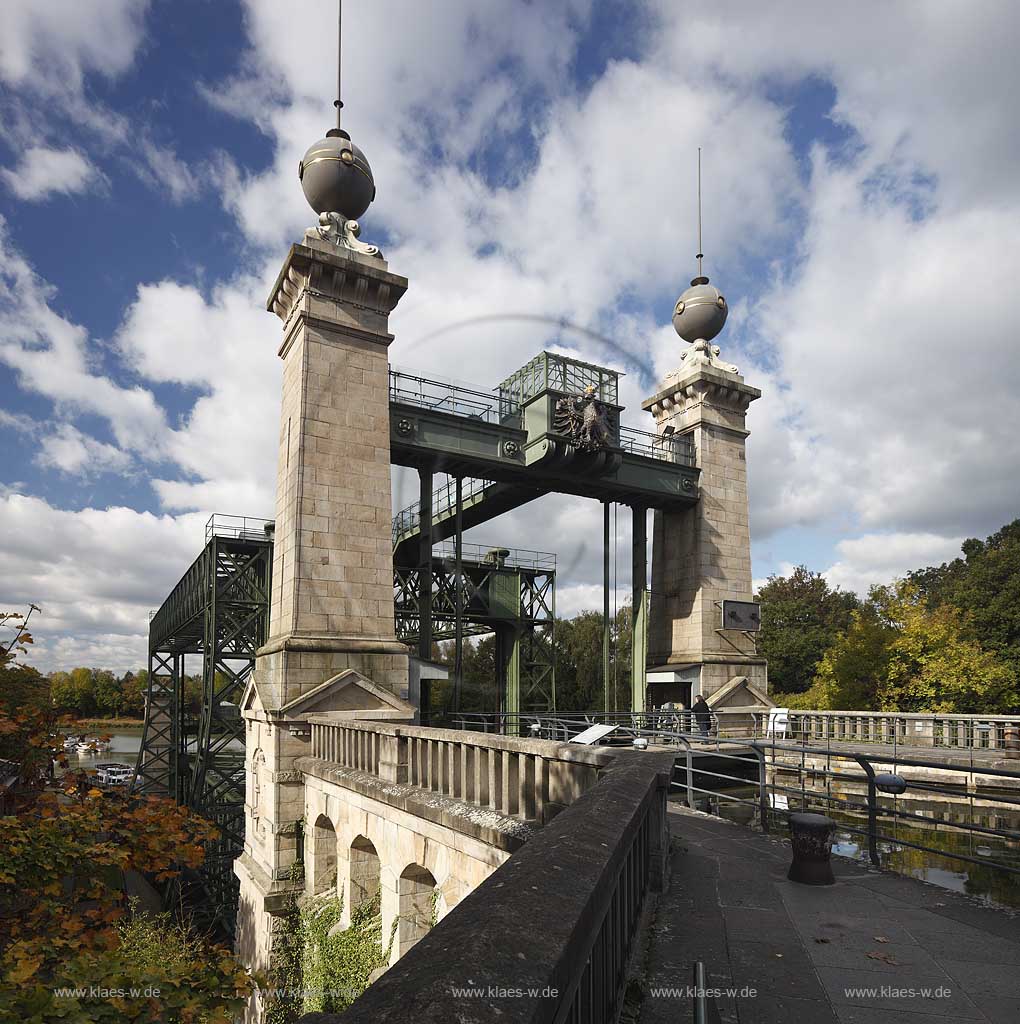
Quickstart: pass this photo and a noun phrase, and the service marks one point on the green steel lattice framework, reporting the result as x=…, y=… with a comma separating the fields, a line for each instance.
x=219, y=611
x=511, y=594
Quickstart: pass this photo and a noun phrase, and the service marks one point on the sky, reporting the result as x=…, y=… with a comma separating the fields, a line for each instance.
x=861, y=210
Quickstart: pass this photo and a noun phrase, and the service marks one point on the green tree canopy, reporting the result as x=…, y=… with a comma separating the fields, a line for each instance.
x=935, y=664
x=801, y=618
x=985, y=583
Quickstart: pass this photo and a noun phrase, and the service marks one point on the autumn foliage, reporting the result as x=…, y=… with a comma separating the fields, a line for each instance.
x=72, y=947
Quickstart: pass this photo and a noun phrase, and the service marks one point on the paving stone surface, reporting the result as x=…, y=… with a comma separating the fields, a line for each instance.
x=875, y=947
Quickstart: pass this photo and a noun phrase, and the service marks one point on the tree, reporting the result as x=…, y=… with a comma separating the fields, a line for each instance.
x=801, y=618
x=65, y=924
x=901, y=655
x=74, y=692
x=134, y=687
x=107, y=693
x=935, y=665
x=985, y=583
x=70, y=949
x=852, y=671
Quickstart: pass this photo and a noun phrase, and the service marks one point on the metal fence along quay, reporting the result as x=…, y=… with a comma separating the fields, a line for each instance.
x=805, y=772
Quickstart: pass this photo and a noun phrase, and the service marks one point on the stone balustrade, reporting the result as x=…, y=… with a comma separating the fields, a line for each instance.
x=988, y=732
x=546, y=938
x=528, y=779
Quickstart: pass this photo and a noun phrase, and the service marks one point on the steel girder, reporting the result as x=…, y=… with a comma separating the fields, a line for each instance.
x=220, y=611
x=516, y=602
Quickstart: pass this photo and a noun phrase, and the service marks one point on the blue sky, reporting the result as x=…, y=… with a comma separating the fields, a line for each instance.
x=861, y=203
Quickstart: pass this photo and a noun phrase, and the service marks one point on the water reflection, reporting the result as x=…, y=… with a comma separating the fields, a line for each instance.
x=987, y=883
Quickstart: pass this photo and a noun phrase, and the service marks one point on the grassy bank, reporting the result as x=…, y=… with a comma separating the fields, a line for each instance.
x=107, y=725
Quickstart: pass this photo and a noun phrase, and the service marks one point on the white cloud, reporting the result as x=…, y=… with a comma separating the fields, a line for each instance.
x=53, y=357
x=52, y=45
x=73, y=452
x=880, y=558
x=41, y=172
x=884, y=344
x=95, y=573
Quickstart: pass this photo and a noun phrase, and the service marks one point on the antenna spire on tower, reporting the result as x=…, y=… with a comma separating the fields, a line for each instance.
x=701, y=254
x=338, y=103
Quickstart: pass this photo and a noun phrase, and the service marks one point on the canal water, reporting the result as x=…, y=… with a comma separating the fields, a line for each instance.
x=989, y=884
x=124, y=747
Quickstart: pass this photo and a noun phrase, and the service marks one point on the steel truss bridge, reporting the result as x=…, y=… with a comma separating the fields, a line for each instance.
x=478, y=454
x=510, y=593
x=193, y=742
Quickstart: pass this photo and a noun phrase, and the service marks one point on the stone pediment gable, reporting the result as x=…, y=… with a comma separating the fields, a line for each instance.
x=348, y=692
x=739, y=693
x=251, y=700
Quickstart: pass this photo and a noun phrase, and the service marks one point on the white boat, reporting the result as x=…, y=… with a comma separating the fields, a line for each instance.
x=90, y=745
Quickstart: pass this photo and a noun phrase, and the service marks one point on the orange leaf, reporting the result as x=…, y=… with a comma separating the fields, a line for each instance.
x=24, y=969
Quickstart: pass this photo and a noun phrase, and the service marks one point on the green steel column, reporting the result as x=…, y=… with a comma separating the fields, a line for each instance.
x=605, y=605
x=458, y=656
x=639, y=609
x=425, y=582
x=508, y=671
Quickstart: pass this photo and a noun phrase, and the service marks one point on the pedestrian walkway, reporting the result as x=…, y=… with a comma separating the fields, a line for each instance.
x=875, y=948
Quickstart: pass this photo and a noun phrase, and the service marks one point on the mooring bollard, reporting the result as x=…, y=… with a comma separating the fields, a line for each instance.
x=1011, y=741
x=811, y=837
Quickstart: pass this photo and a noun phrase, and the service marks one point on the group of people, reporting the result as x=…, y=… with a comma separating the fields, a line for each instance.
x=699, y=709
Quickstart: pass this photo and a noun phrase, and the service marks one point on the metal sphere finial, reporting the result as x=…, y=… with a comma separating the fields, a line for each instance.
x=701, y=311
x=335, y=174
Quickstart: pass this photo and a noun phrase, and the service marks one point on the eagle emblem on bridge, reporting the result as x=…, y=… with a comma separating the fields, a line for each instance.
x=584, y=419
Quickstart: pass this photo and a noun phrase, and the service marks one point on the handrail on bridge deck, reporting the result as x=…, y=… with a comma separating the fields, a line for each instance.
x=466, y=400
x=561, y=916
x=777, y=759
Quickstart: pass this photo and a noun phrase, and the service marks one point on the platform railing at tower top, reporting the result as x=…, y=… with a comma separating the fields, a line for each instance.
x=409, y=388
x=675, y=448
x=238, y=527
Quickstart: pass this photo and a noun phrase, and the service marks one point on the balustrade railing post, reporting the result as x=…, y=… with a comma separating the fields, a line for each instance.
x=763, y=793
x=872, y=809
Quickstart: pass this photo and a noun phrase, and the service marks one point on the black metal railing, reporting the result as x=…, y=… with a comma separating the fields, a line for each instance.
x=822, y=787
x=410, y=388
x=676, y=448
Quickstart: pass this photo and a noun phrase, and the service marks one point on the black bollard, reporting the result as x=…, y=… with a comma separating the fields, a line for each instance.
x=811, y=836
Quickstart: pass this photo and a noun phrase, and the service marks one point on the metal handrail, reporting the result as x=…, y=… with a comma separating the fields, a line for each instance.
x=676, y=448
x=409, y=388
x=568, y=725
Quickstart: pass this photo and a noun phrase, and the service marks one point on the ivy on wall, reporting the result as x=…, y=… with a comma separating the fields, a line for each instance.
x=318, y=966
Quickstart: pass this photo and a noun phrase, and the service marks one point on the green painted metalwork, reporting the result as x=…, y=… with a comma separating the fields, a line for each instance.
x=219, y=612
x=551, y=372
x=511, y=593
x=639, y=609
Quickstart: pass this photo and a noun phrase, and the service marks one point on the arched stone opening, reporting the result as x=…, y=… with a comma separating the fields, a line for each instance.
x=416, y=901
x=364, y=876
x=322, y=854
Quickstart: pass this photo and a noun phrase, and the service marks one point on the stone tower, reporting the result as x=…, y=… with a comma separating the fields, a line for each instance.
x=332, y=647
x=702, y=555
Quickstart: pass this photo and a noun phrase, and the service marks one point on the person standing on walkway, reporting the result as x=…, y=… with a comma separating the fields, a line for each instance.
x=703, y=713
